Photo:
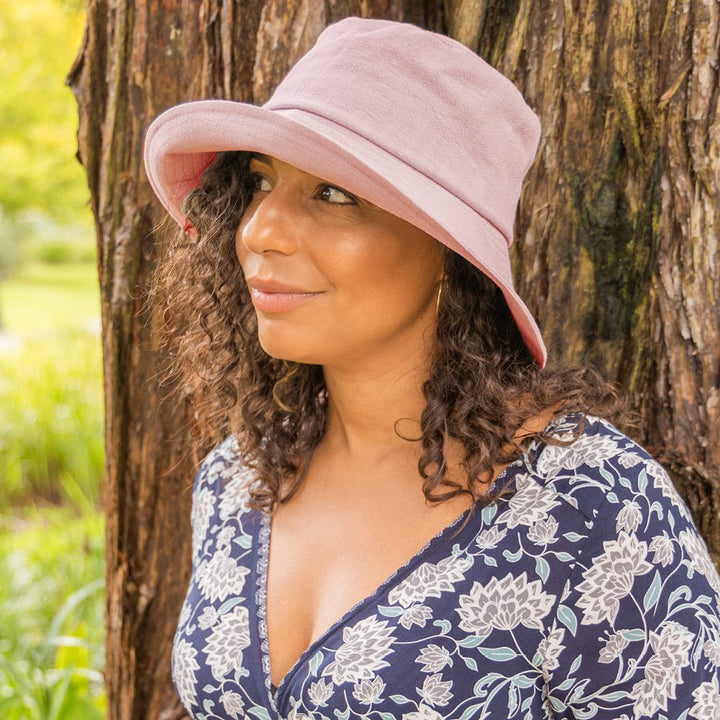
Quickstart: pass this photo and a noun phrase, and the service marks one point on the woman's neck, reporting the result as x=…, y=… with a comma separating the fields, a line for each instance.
x=368, y=408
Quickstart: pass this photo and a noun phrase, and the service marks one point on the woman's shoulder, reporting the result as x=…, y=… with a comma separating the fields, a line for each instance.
x=221, y=491
x=590, y=484
x=595, y=467
x=224, y=471
x=220, y=465
x=622, y=499
x=642, y=591
x=626, y=498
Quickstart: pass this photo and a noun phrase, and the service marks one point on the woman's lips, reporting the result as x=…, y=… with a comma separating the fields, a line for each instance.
x=276, y=299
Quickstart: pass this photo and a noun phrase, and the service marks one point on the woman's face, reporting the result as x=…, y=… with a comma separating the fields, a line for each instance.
x=333, y=278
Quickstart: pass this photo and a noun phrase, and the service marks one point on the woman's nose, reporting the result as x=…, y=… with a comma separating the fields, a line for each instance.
x=269, y=224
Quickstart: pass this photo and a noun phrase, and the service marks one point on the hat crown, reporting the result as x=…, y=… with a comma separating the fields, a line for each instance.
x=426, y=98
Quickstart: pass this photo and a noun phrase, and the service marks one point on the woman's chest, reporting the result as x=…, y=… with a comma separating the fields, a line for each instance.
x=438, y=639
x=324, y=562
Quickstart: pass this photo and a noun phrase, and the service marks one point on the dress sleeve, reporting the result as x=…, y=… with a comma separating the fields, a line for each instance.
x=637, y=628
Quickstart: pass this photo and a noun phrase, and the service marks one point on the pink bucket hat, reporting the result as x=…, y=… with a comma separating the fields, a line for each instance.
x=407, y=119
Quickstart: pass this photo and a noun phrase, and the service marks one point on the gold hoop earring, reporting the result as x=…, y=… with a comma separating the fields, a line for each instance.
x=439, y=297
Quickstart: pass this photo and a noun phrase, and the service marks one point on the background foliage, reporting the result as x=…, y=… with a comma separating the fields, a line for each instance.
x=38, y=41
x=43, y=193
x=51, y=439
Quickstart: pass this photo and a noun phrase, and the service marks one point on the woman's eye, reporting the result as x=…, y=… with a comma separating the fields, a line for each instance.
x=258, y=183
x=336, y=196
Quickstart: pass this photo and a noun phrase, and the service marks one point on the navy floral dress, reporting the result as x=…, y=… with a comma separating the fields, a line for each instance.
x=584, y=593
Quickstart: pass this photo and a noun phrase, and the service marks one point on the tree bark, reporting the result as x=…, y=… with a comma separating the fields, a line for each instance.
x=137, y=58
x=616, y=252
x=619, y=225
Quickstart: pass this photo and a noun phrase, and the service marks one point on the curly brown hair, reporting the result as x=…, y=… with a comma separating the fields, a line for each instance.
x=483, y=382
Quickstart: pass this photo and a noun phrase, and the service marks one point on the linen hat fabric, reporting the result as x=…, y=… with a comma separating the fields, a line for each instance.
x=407, y=119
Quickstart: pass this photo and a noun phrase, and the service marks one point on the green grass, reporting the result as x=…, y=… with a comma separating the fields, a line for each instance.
x=51, y=615
x=41, y=298
x=51, y=414
x=51, y=422
x=51, y=460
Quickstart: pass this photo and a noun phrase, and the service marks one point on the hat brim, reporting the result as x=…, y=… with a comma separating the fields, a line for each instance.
x=183, y=141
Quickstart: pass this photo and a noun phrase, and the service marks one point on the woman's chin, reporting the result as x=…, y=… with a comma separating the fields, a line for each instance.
x=299, y=351
x=309, y=342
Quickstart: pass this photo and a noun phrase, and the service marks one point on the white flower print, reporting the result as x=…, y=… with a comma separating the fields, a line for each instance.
x=185, y=613
x=435, y=690
x=433, y=658
x=477, y=625
x=184, y=668
x=629, y=459
x=549, y=649
x=663, y=671
x=369, y=691
x=503, y=605
x=320, y=692
x=614, y=646
x=430, y=581
x=232, y=702
x=223, y=462
x=235, y=496
x=587, y=450
x=362, y=653
x=611, y=576
x=664, y=484
x=595, y=449
x=415, y=615
x=221, y=576
x=565, y=428
x=544, y=531
x=711, y=648
x=225, y=536
x=208, y=617
x=488, y=539
x=228, y=639
x=202, y=509
x=699, y=558
x=531, y=502
x=423, y=713
x=629, y=517
x=707, y=701
x=662, y=547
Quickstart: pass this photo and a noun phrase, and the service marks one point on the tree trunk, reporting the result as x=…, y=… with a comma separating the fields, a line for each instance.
x=619, y=226
x=138, y=58
x=616, y=246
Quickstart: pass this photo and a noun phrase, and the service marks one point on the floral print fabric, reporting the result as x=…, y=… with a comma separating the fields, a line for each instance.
x=585, y=592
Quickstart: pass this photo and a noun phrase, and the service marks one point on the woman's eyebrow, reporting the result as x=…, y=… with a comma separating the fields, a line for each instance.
x=262, y=158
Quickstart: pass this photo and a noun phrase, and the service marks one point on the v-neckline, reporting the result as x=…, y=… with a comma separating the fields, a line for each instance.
x=262, y=566
x=263, y=557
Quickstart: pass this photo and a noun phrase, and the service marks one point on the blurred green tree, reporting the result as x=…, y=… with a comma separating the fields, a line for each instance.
x=40, y=174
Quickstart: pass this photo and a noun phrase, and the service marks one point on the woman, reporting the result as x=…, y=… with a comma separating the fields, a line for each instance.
x=411, y=517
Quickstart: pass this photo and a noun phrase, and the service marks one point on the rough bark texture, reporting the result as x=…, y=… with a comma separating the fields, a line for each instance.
x=617, y=249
